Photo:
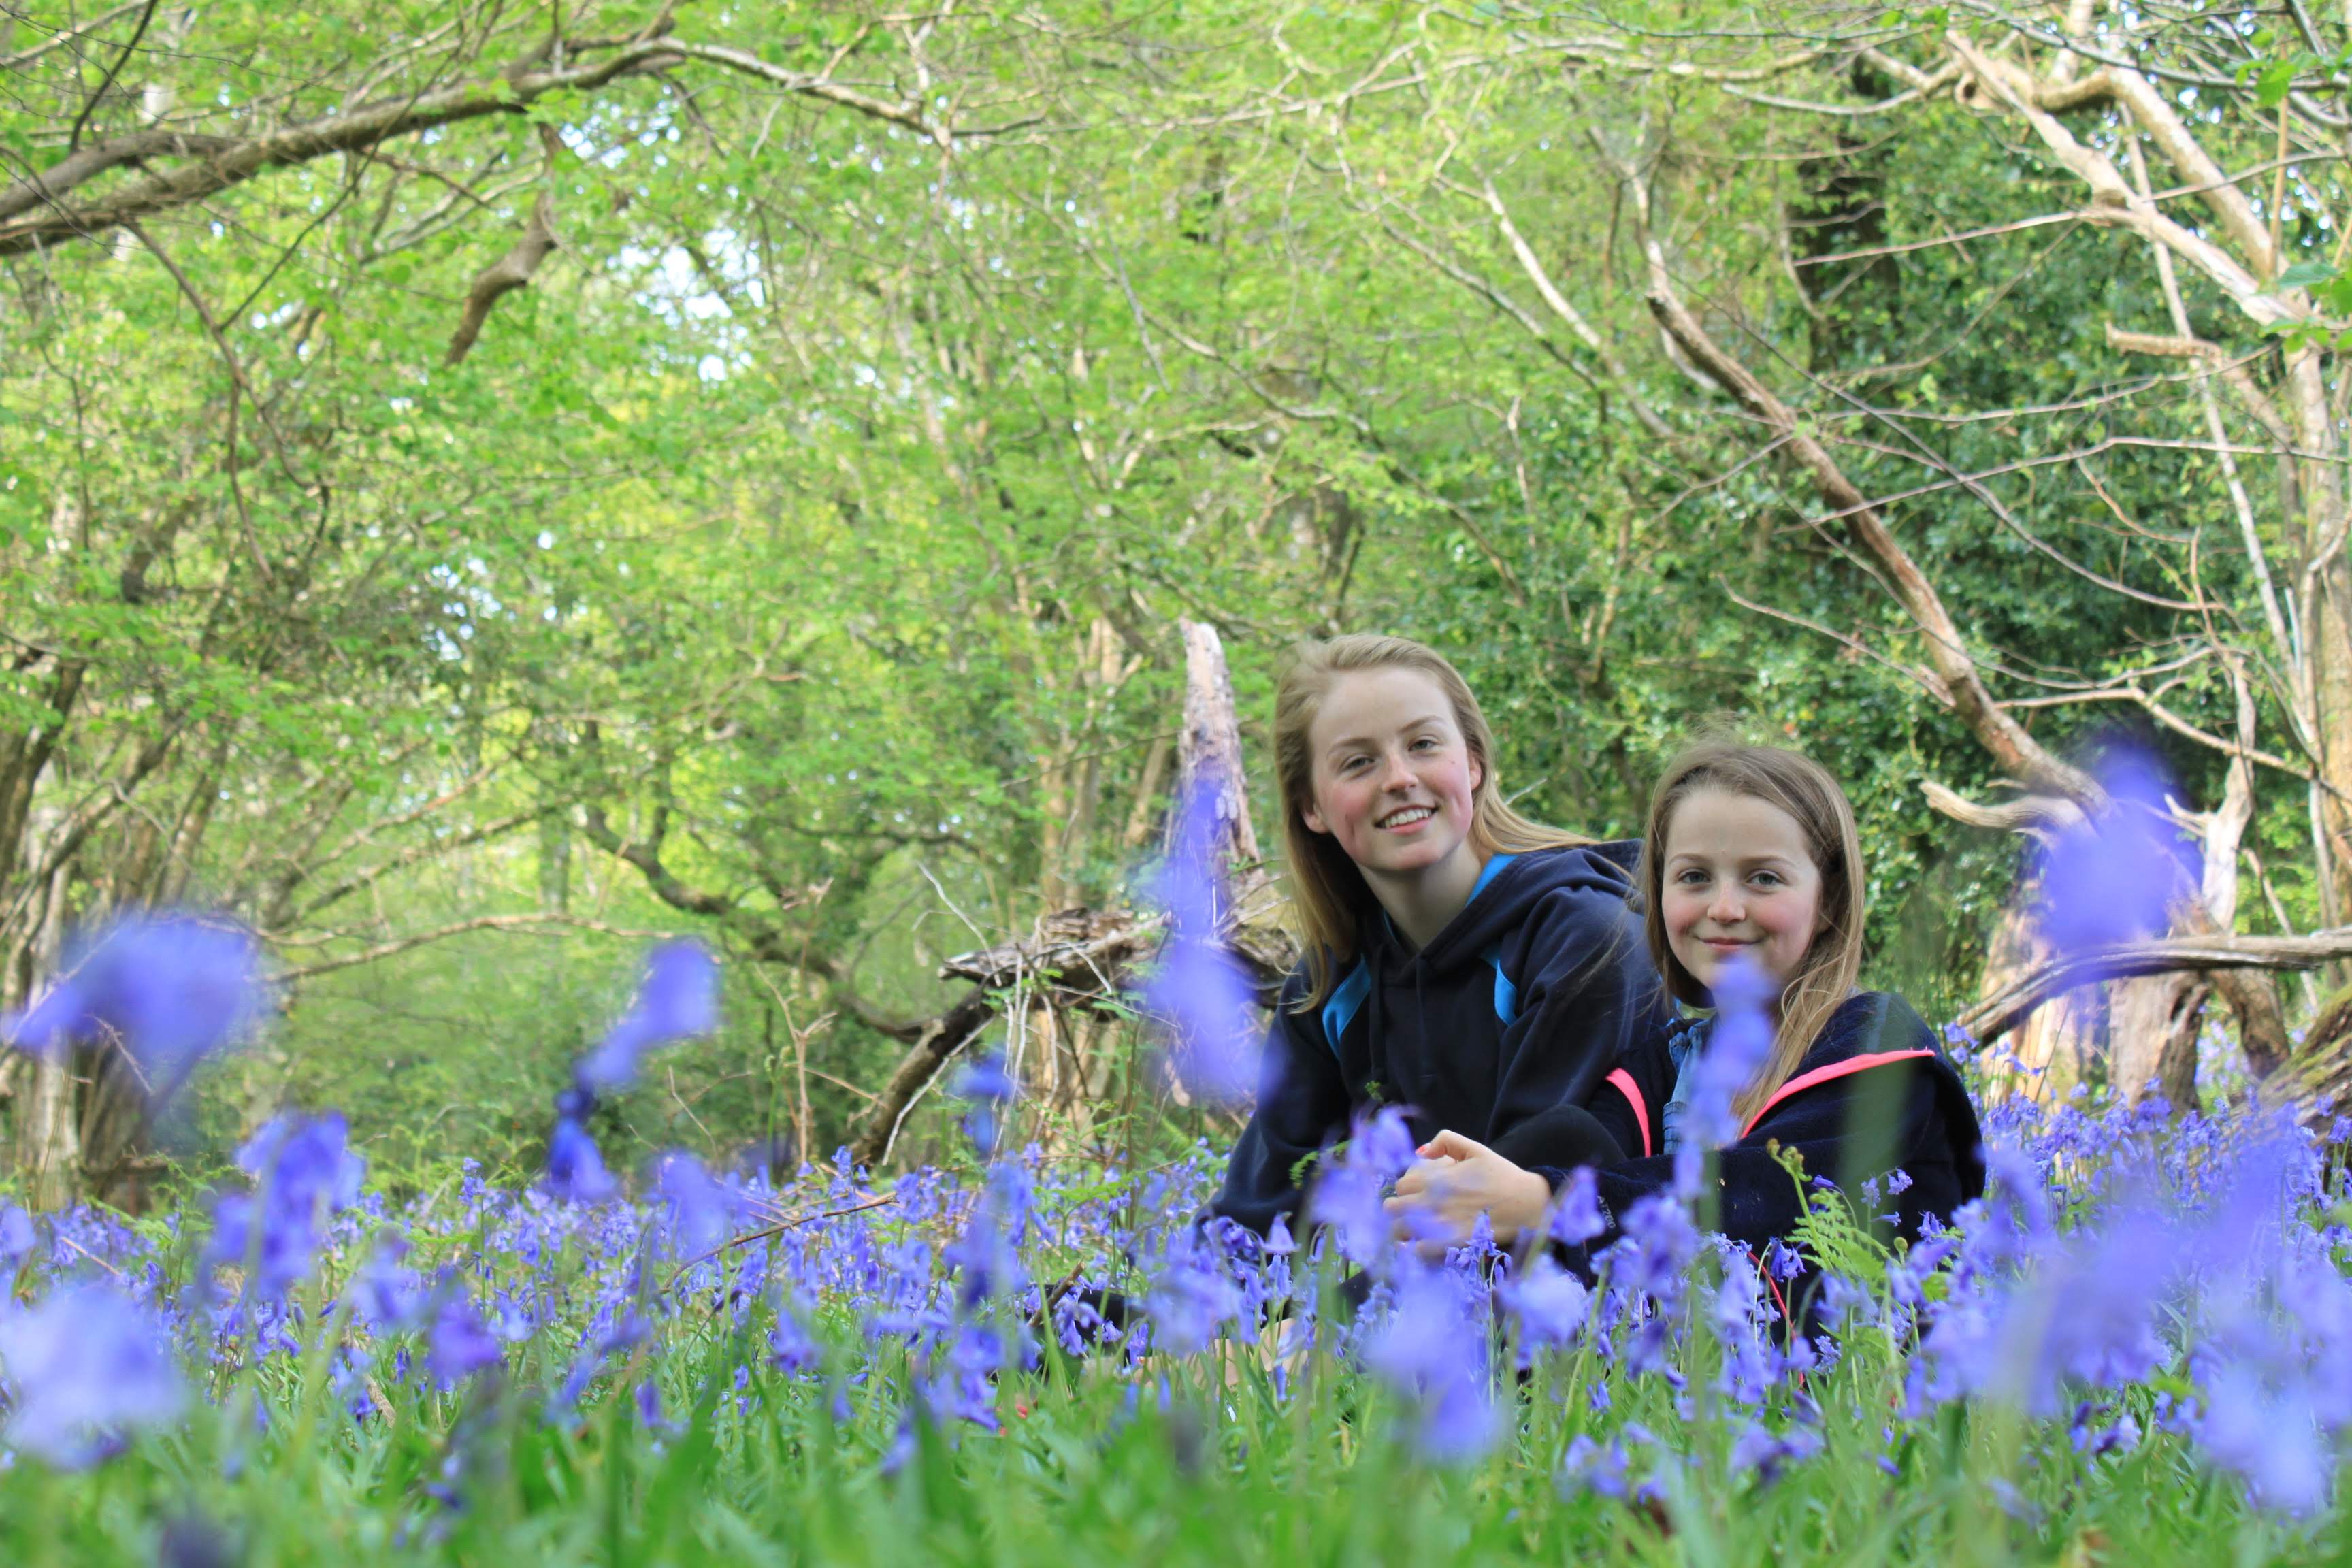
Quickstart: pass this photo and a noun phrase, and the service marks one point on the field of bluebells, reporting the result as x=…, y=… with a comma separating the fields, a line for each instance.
x=2134, y=1350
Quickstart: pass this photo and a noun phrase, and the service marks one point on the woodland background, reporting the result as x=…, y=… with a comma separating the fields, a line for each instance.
x=481, y=484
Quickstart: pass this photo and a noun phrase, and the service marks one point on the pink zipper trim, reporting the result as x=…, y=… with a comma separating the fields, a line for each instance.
x=1633, y=1092
x=1806, y=1080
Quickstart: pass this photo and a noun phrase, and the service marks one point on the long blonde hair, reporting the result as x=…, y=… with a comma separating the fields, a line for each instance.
x=1825, y=977
x=1329, y=898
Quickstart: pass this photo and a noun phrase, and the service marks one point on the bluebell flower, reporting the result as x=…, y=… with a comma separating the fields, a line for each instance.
x=1576, y=1215
x=192, y=1540
x=385, y=1294
x=2262, y=1427
x=1433, y=1352
x=303, y=1172
x=1737, y=1046
x=678, y=999
x=989, y=1089
x=1592, y=1467
x=575, y=1171
x=1550, y=1304
x=1192, y=1297
x=1761, y=1452
x=87, y=1366
x=18, y=1237
x=791, y=1348
x=2111, y=879
x=176, y=988
x=698, y=1211
x=1351, y=1185
x=1199, y=987
x=457, y=1344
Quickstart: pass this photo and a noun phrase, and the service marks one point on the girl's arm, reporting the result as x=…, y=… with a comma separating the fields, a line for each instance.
x=1589, y=1000
x=1302, y=1105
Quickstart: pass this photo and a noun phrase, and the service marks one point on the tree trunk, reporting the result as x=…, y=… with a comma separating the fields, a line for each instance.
x=2049, y=1050
x=49, y=1132
x=2153, y=1022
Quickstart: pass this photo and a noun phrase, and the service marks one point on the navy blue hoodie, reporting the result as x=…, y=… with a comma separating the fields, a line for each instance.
x=1874, y=1093
x=1524, y=1001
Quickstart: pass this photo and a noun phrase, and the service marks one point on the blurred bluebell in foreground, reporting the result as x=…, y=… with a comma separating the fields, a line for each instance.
x=2111, y=879
x=678, y=999
x=575, y=1171
x=176, y=988
x=1430, y=1351
x=303, y=1172
x=1199, y=988
x=85, y=1366
x=988, y=1088
x=1737, y=1041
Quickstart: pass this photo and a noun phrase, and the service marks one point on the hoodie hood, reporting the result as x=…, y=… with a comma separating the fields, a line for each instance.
x=1507, y=894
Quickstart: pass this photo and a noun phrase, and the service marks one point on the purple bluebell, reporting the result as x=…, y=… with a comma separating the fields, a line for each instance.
x=1737, y=1046
x=87, y=1366
x=1351, y=1187
x=2261, y=1425
x=1761, y=1452
x=989, y=1089
x=1432, y=1351
x=1549, y=1303
x=18, y=1237
x=2111, y=878
x=1199, y=987
x=1576, y=1215
x=1590, y=1466
x=791, y=1348
x=648, y=1396
x=679, y=999
x=385, y=1294
x=1191, y=1296
x=698, y=1211
x=458, y=1343
x=176, y=987
x=575, y=1171
x=192, y=1540
x=303, y=1172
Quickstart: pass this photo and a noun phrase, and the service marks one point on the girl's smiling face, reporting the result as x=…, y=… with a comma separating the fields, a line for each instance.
x=1394, y=777
x=1738, y=877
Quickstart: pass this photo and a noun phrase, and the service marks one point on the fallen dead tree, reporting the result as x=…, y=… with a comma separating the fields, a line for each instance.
x=1998, y=1013
x=1086, y=961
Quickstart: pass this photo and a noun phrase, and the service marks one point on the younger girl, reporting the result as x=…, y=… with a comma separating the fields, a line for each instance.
x=1751, y=850
x=1476, y=969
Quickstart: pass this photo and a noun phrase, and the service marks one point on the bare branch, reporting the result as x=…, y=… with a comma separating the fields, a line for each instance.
x=384, y=949
x=65, y=35
x=2027, y=814
x=507, y=273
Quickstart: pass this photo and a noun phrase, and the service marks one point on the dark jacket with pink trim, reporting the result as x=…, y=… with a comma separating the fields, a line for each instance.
x=1875, y=1094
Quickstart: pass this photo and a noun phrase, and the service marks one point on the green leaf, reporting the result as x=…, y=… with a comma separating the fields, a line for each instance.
x=2271, y=87
x=2304, y=274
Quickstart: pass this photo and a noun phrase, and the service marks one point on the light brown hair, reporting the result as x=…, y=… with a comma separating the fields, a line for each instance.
x=1329, y=898
x=1825, y=977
